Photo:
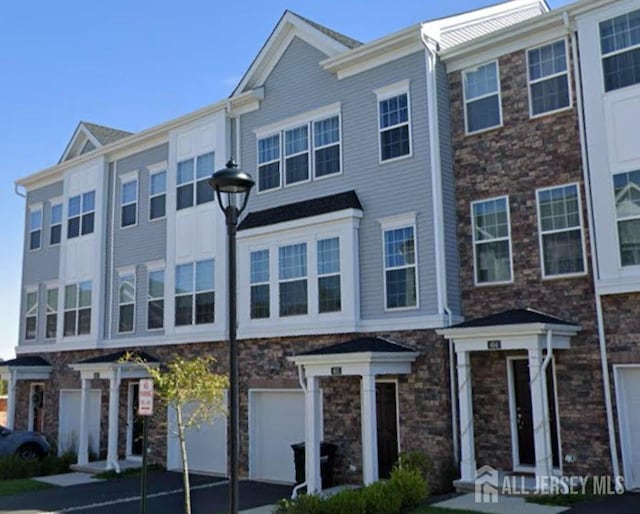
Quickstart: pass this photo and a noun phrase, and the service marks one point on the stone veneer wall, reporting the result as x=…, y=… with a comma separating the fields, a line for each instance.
x=424, y=408
x=516, y=159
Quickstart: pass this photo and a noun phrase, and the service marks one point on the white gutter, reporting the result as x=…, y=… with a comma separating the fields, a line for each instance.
x=438, y=219
x=18, y=192
x=594, y=256
x=303, y=386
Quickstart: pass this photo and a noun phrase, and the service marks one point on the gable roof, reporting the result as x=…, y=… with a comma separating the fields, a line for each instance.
x=105, y=135
x=118, y=357
x=514, y=317
x=303, y=209
x=25, y=361
x=89, y=136
x=361, y=345
x=289, y=26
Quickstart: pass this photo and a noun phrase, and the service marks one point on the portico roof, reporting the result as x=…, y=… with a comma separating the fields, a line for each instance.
x=116, y=364
x=27, y=367
x=25, y=361
x=118, y=357
x=514, y=317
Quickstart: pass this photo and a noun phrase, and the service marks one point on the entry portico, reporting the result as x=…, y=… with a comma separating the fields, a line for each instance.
x=537, y=333
x=367, y=357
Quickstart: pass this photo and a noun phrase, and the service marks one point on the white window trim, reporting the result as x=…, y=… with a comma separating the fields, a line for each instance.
x=284, y=244
x=30, y=290
x=77, y=309
x=81, y=214
x=465, y=101
x=54, y=203
x=283, y=137
x=151, y=268
x=316, y=148
x=194, y=181
x=267, y=283
x=473, y=241
x=617, y=220
x=124, y=272
x=151, y=197
x=193, y=293
x=546, y=276
x=609, y=15
x=124, y=180
x=548, y=77
x=319, y=275
x=384, y=93
x=267, y=163
x=48, y=287
x=35, y=207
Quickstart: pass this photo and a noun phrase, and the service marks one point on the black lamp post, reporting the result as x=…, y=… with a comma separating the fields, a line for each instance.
x=232, y=188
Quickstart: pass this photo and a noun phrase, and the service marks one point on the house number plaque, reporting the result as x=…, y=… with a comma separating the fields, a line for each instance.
x=494, y=344
x=336, y=371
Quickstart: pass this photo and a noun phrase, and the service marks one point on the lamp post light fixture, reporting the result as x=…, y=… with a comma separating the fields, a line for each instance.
x=232, y=187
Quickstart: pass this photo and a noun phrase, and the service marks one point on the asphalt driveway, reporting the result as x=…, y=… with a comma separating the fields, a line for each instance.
x=209, y=496
x=628, y=503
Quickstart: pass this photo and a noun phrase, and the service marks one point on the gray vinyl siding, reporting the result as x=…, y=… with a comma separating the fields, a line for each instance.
x=133, y=246
x=41, y=265
x=448, y=191
x=297, y=85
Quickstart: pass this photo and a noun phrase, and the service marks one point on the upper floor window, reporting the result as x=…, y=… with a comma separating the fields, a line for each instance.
x=627, y=198
x=129, y=203
x=155, y=300
x=400, y=274
x=620, y=48
x=260, y=291
x=326, y=146
x=35, y=229
x=51, y=329
x=491, y=240
x=81, y=213
x=482, y=97
x=77, y=309
x=296, y=154
x=292, y=274
x=548, y=78
x=195, y=296
x=126, y=302
x=157, y=195
x=329, y=294
x=31, y=311
x=192, y=181
x=55, y=229
x=394, y=126
x=560, y=223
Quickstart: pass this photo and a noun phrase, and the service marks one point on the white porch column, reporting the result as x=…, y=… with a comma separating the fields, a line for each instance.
x=11, y=399
x=369, y=430
x=312, y=423
x=540, y=414
x=83, y=442
x=465, y=401
x=114, y=405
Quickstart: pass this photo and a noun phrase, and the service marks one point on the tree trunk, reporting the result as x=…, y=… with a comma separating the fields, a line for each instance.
x=185, y=464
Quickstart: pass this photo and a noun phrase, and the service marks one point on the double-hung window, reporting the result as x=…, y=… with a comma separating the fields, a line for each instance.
x=155, y=299
x=192, y=181
x=129, y=203
x=329, y=292
x=195, y=293
x=326, y=146
x=394, y=126
x=31, y=312
x=292, y=274
x=81, y=214
x=296, y=154
x=560, y=223
x=269, y=163
x=400, y=275
x=157, y=195
x=126, y=302
x=260, y=291
x=35, y=228
x=627, y=200
x=481, y=87
x=51, y=329
x=491, y=240
x=55, y=224
x=548, y=78
x=620, y=48
x=77, y=309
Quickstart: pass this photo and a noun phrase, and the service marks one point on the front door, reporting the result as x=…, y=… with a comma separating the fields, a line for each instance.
x=387, y=417
x=134, y=421
x=36, y=408
x=524, y=437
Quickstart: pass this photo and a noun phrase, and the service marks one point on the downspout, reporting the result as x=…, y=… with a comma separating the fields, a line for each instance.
x=112, y=264
x=594, y=256
x=303, y=385
x=438, y=222
x=18, y=192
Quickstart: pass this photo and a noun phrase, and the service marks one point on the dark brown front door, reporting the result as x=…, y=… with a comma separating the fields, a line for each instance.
x=136, y=428
x=524, y=413
x=387, y=416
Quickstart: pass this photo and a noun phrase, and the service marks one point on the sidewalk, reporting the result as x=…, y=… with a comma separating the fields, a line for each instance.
x=504, y=505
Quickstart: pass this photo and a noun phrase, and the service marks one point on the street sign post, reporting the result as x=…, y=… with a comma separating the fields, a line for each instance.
x=145, y=409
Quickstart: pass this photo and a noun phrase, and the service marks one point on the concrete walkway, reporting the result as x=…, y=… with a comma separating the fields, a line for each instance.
x=68, y=479
x=504, y=505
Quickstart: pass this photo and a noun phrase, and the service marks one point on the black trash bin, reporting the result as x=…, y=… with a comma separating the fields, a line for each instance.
x=327, y=461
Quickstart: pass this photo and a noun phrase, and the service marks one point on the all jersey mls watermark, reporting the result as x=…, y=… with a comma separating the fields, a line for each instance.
x=490, y=484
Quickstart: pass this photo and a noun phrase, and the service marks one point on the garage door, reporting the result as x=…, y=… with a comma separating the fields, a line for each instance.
x=69, y=420
x=277, y=422
x=206, y=446
x=629, y=402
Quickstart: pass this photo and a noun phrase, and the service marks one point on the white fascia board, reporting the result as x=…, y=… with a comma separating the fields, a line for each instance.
x=525, y=329
x=26, y=372
x=618, y=285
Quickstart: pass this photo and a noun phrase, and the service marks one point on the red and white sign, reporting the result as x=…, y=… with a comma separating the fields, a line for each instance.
x=145, y=397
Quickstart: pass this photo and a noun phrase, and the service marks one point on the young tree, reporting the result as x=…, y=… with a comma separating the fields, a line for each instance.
x=194, y=392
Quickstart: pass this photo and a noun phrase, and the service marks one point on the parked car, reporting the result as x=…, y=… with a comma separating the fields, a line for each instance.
x=23, y=443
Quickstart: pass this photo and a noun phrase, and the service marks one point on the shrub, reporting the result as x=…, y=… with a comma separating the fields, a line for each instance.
x=410, y=485
x=303, y=504
x=12, y=467
x=415, y=461
x=382, y=498
x=349, y=500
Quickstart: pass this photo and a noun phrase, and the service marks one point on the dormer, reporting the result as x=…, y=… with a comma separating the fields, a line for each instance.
x=88, y=137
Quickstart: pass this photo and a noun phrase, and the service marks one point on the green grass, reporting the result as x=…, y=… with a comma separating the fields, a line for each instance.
x=21, y=485
x=429, y=509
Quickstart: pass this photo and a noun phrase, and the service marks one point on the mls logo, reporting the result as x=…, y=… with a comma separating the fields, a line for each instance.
x=486, y=485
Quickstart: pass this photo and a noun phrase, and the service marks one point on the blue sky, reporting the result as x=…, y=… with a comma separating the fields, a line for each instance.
x=131, y=65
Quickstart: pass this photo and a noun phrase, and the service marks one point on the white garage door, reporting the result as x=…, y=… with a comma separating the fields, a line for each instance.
x=206, y=446
x=629, y=406
x=277, y=422
x=69, y=420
